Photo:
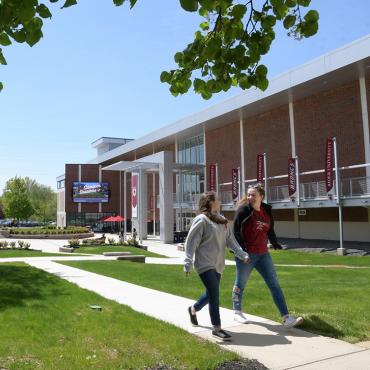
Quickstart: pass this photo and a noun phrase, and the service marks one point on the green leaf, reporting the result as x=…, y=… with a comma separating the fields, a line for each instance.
x=289, y=21
x=69, y=3
x=239, y=11
x=304, y=3
x=1, y=86
x=33, y=37
x=19, y=36
x=43, y=11
x=189, y=5
x=132, y=3
x=4, y=39
x=312, y=16
x=262, y=83
x=204, y=26
x=2, y=58
x=118, y=2
x=261, y=71
x=291, y=3
x=165, y=77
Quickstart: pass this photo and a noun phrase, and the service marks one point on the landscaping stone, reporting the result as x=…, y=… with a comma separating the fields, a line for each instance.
x=116, y=253
x=133, y=258
x=66, y=249
x=244, y=364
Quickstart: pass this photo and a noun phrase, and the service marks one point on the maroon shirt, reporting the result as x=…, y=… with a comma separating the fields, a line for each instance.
x=255, y=231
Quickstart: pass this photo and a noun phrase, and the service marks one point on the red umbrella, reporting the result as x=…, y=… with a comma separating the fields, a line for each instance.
x=114, y=219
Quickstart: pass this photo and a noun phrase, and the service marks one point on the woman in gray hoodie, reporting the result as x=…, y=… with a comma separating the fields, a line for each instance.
x=206, y=241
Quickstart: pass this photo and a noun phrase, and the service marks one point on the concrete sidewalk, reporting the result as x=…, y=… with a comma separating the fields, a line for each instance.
x=264, y=340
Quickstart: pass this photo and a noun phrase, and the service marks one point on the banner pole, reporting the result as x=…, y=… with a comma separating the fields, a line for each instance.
x=265, y=174
x=240, y=185
x=340, y=250
x=297, y=180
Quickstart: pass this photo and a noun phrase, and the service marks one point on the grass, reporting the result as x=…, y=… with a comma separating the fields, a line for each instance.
x=24, y=253
x=305, y=258
x=113, y=248
x=334, y=302
x=46, y=323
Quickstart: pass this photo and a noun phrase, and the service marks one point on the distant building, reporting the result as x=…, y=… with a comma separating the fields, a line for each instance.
x=168, y=169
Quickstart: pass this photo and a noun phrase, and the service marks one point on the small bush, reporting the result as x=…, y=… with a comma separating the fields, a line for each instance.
x=133, y=242
x=111, y=241
x=27, y=245
x=85, y=241
x=13, y=244
x=21, y=244
x=3, y=244
x=74, y=242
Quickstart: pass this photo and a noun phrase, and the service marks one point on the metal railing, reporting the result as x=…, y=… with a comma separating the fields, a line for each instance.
x=350, y=188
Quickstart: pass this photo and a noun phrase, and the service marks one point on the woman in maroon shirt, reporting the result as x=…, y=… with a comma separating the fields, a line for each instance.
x=253, y=227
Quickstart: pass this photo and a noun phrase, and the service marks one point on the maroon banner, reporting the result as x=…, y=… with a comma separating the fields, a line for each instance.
x=212, y=177
x=260, y=167
x=292, y=178
x=234, y=184
x=329, y=162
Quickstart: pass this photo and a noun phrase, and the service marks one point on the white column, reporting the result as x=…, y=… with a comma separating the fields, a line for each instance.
x=79, y=179
x=242, y=168
x=291, y=125
x=143, y=205
x=365, y=122
x=100, y=179
x=166, y=197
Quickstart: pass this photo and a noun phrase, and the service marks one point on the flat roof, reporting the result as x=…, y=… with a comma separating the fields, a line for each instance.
x=330, y=70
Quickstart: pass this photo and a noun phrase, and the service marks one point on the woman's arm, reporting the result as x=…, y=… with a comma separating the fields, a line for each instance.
x=233, y=244
x=192, y=242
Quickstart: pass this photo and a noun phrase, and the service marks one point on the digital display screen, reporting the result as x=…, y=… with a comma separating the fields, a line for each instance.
x=90, y=192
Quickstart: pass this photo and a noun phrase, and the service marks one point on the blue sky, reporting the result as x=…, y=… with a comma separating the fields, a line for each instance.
x=96, y=73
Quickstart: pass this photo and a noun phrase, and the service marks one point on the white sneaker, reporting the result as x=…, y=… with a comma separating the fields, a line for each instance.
x=292, y=321
x=240, y=318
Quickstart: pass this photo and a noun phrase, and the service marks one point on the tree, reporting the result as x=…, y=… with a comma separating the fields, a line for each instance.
x=43, y=200
x=16, y=200
x=226, y=50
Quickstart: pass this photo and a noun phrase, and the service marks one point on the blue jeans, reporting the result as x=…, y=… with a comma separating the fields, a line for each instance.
x=264, y=265
x=211, y=280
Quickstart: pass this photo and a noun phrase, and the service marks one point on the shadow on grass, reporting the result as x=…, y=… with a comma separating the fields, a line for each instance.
x=316, y=325
x=19, y=284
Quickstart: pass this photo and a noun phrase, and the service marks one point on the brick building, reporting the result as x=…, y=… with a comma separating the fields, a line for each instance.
x=325, y=98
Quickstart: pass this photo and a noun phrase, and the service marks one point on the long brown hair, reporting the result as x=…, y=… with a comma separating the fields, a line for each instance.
x=205, y=207
x=260, y=190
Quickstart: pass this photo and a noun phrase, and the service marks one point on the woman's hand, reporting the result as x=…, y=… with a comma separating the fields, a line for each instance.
x=246, y=260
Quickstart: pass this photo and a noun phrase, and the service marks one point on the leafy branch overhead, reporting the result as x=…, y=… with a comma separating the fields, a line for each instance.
x=226, y=50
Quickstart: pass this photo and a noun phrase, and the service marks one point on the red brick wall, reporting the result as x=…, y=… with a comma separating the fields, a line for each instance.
x=223, y=147
x=336, y=112
x=90, y=172
x=268, y=133
x=71, y=171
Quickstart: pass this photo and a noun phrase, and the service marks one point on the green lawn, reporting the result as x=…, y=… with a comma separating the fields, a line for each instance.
x=46, y=323
x=305, y=258
x=115, y=248
x=334, y=301
x=24, y=253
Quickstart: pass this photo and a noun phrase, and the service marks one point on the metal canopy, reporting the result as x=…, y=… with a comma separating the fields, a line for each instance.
x=129, y=166
x=133, y=166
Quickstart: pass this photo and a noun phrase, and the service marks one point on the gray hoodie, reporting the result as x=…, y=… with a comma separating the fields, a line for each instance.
x=207, y=240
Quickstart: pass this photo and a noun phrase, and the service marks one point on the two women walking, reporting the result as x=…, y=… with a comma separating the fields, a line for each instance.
x=205, y=248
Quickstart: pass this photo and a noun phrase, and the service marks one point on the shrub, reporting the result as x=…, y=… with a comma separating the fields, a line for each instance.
x=74, y=242
x=111, y=241
x=21, y=244
x=13, y=244
x=3, y=244
x=26, y=245
x=85, y=241
x=132, y=241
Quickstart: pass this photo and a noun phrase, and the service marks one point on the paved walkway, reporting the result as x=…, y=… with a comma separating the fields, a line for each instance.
x=264, y=340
